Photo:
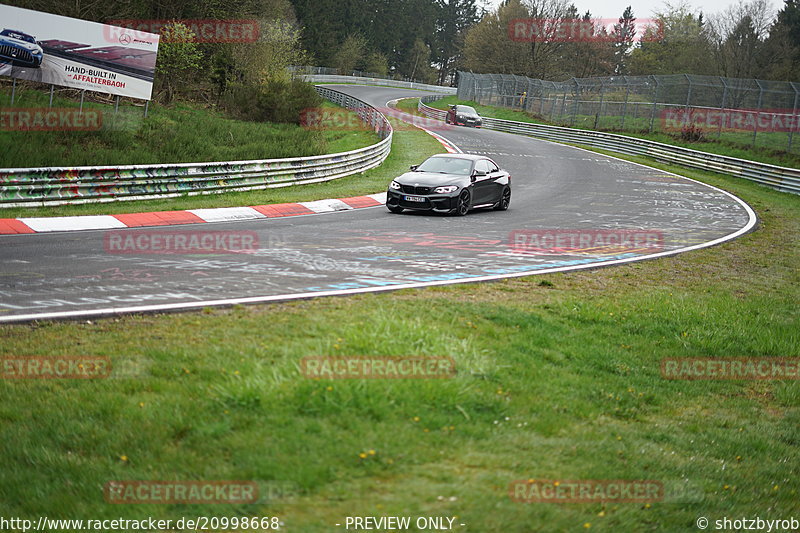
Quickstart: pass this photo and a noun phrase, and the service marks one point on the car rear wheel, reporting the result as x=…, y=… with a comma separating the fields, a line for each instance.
x=395, y=209
x=505, y=199
x=462, y=207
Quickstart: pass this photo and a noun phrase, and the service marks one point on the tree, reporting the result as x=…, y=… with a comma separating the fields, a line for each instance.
x=487, y=47
x=454, y=19
x=781, y=51
x=738, y=34
x=418, y=64
x=546, y=55
x=350, y=55
x=277, y=48
x=594, y=57
x=680, y=46
x=624, y=33
x=376, y=63
x=178, y=59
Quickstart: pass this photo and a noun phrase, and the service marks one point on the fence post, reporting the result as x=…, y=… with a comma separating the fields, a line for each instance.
x=528, y=100
x=13, y=90
x=575, y=102
x=760, y=99
x=625, y=105
x=50, y=105
x=688, y=92
x=541, y=99
x=794, y=118
x=655, y=101
x=724, y=103
x=80, y=111
x=600, y=106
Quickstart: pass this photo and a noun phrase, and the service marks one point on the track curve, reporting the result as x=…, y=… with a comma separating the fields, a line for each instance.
x=69, y=275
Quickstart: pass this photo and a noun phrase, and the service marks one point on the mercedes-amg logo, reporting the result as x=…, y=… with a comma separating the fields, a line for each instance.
x=125, y=38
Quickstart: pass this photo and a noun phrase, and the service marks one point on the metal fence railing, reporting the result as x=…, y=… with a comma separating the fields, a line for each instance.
x=742, y=111
x=328, y=71
x=780, y=178
x=331, y=78
x=74, y=185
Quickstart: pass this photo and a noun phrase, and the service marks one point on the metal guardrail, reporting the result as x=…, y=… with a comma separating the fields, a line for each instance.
x=329, y=78
x=76, y=185
x=781, y=178
x=308, y=69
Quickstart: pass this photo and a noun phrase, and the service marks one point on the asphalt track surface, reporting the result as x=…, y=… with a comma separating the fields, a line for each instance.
x=69, y=275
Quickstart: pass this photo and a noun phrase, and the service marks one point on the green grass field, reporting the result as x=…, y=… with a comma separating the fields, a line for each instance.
x=731, y=143
x=558, y=378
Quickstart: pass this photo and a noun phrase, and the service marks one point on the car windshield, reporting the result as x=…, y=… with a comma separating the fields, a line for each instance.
x=20, y=36
x=447, y=165
x=466, y=109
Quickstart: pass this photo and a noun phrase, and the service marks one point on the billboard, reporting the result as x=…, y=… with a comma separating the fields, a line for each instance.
x=76, y=53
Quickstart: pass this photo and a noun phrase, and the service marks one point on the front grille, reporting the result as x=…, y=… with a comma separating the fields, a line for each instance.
x=410, y=189
x=16, y=53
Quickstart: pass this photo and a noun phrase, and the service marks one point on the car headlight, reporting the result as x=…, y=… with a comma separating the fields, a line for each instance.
x=445, y=189
x=394, y=185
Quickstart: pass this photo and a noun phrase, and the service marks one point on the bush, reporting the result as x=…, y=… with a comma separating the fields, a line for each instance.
x=692, y=133
x=273, y=101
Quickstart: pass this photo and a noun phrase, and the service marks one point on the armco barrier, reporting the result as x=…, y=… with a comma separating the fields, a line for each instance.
x=54, y=186
x=332, y=78
x=781, y=178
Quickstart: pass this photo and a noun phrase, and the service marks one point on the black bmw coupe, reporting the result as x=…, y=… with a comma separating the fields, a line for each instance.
x=451, y=183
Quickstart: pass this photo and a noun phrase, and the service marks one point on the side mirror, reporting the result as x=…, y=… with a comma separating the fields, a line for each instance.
x=472, y=178
x=413, y=167
x=479, y=173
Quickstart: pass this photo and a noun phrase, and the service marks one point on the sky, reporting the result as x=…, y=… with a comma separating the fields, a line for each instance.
x=641, y=8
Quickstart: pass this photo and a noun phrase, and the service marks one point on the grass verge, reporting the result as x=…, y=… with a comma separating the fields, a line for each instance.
x=558, y=379
x=733, y=147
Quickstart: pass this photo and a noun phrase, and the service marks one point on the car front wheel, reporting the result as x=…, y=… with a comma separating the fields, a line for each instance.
x=395, y=209
x=462, y=206
x=505, y=199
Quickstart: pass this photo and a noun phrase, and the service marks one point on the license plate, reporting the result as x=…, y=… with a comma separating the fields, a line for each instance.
x=415, y=199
